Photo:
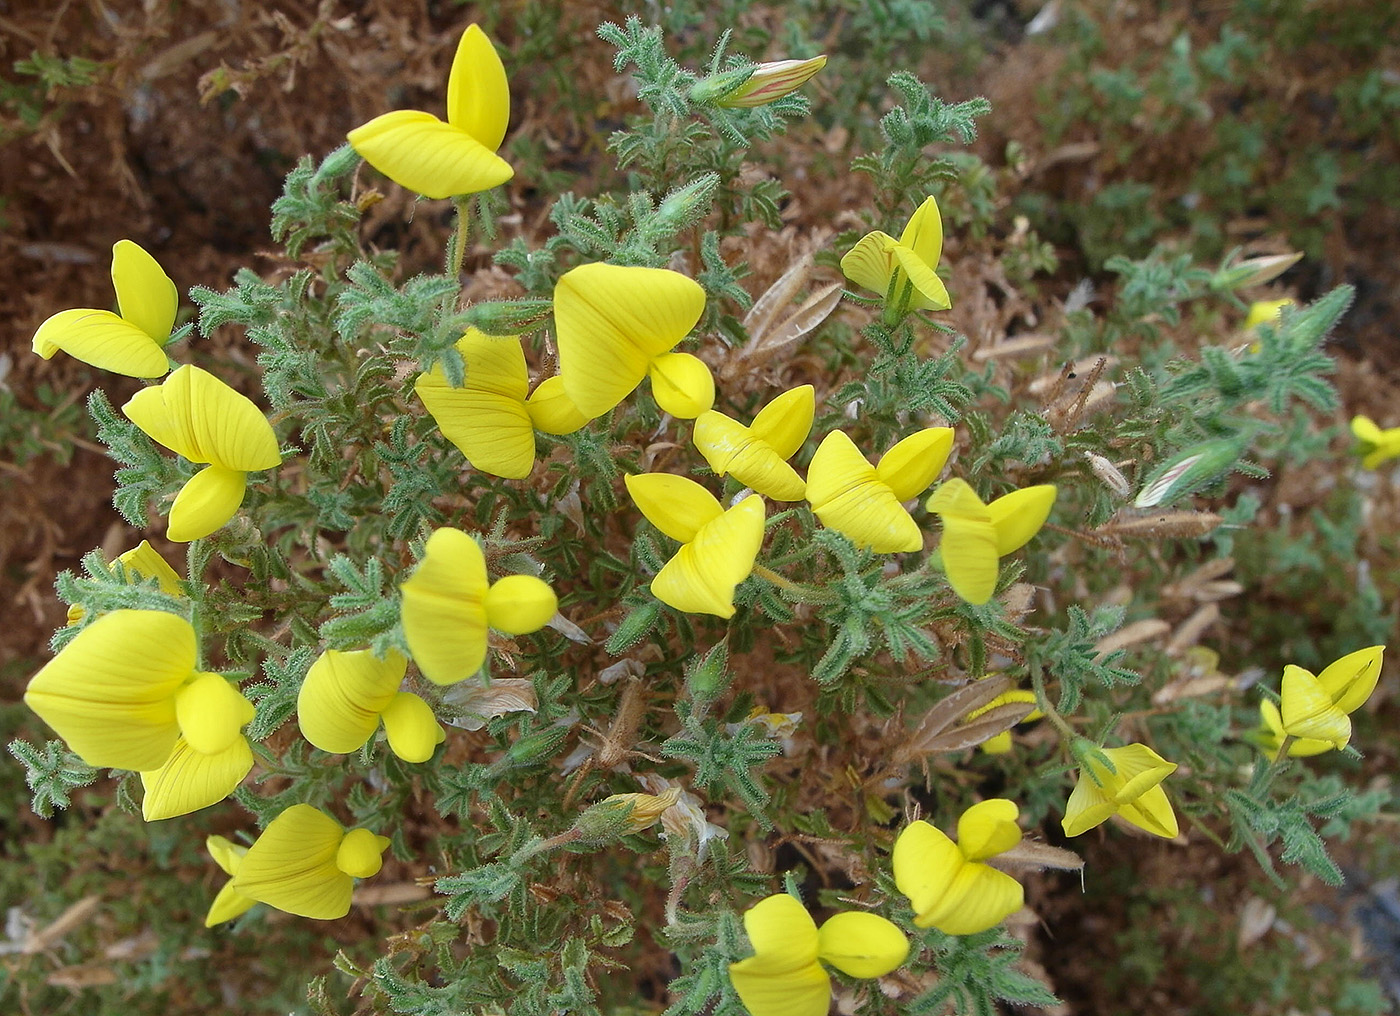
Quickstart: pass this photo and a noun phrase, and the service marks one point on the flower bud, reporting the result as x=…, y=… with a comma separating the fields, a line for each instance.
x=770, y=81
x=1253, y=272
x=507, y=317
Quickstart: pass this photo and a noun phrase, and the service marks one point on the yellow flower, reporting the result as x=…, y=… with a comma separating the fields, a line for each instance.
x=230, y=902
x=1130, y=788
x=757, y=455
x=489, y=418
x=784, y=976
x=306, y=864
x=345, y=696
x=771, y=81
x=863, y=501
x=1376, y=445
x=440, y=160
x=124, y=694
x=948, y=884
x=130, y=343
x=1316, y=709
x=883, y=264
x=196, y=415
x=140, y=563
x=616, y=325
x=1262, y=311
x=1000, y=744
x=448, y=603
x=976, y=535
x=718, y=547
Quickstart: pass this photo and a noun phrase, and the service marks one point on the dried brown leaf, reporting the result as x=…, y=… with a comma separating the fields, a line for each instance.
x=948, y=712
x=988, y=725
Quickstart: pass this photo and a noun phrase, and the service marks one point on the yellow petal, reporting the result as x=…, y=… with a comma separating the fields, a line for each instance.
x=923, y=234
x=997, y=744
x=486, y=418
x=520, y=604
x=862, y=945
x=929, y=290
x=682, y=385
x=782, y=933
x=361, y=853
x=551, y=410
x=805, y=991
x=701, y=577
x=1018, y=516
x=1350, y=680
x=227, y=905
x=413, y=730
x=111, y=692
x=102, y=339
x=343, y=695
x=478, y=95
x=211, y=713
x=676, y=505
x=911, y=465
x=969, y=544
x=227, y=855
x=145, y=295
x=786, y=421
x=612, y=321
x=444, y=613
x=730, y=447
x=947, y=891
x=846, y=496
x=292, y=865
x=1265, y=310
x=1138, y=769
x=1152, y=812
x=1363, y=428
x=206, y=503
x=143, y=562
x=1270, y=736
x=988, y=828
x=196, y=415
x=869, y=263
x=191, y=780
x=1308, y=711
x=420, y=152
x=1087, y=807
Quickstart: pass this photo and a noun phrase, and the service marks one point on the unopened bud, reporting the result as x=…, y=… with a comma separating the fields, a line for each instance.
x=508, y=317
x=532, y=749
x=339, y=163
x=1253, y=272
x=1189, y=471
x=1110, y=474
x=771, y=81
x=623, y=814
x=687, y=205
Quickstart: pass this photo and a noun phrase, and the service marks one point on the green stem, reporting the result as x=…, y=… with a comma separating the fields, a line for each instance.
x=457, y=243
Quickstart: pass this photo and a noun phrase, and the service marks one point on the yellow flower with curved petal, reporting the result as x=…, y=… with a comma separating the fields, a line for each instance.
x=346, y=695
x=864, y=502
x=229, y=903
x=883, y=264
x=757, y=455
x=131, y=342
x=1316, y=709
x=140, y=563
x=1270, y=736
x=489, y=418
x=448, y=603
x=718, y=547
x=441, y=160
x=196, y=415
x=616, y=325
x=1131, y=789
x=949, y=885
x=124, y=694
x=1374, y=444
x=784, y=976
x=305, y=863
x=977, y=535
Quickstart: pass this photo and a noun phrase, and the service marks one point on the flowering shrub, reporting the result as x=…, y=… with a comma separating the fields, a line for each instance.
x=455, y=521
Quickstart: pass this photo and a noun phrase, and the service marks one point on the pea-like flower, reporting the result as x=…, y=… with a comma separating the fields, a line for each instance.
x=757, y=455
x=448, y=603
x=1126, y=782
x=718, y=547
x=124, y=694
x=617, y=325
x=881, y=263
x=784, y=976
x=229, y=903
x=950, y=885
x=131, y=342
x=489, y=418
x=1315, y=709
x=977, y=535
x=1374, y=444
x=305, y=863
x=196, y=415
x=440, y=160
x=345, y=697
x=864, y=502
